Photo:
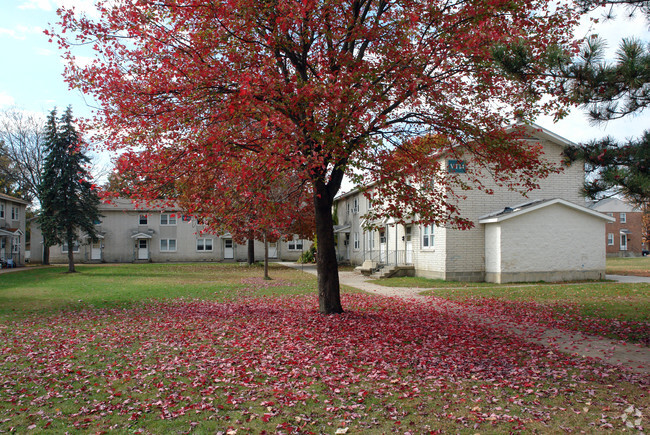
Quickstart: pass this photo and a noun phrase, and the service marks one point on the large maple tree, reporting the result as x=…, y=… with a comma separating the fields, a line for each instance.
x=318, y=89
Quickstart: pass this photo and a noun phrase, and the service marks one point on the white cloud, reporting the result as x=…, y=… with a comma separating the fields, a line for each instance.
x=81, y=61
x=11, y=33
x=20, y=32
x=81, y=6
x=6, y=99
x=44, y=52
x=44, y=5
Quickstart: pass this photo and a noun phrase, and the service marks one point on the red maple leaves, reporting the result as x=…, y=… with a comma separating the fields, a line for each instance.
x=266, y=358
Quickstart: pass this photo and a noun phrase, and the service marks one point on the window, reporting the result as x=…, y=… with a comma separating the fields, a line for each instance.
x=75, y=247
x=610, y=239
x=355, y=207
x=623, y=242
x=427, y=236
x=14, y=213
x=347, y=207
x=204, y=244
x=167, y=245
x=382, y=237
x=2, y=210
x=356, y=240
x=623, y=218
x=143, y=219
x=167, y=219
x=15, y=245
x=295, y=245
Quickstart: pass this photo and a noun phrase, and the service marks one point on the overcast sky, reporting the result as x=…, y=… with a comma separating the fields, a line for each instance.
x=31, y=75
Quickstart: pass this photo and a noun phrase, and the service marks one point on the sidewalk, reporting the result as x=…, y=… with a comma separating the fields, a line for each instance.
x=631, y=357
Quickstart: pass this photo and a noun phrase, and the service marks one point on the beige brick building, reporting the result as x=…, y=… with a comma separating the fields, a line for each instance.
x=152, y=234
x=450, y=254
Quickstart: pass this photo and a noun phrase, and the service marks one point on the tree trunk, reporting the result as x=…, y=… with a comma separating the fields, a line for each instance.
x=329, y=292
x=251, y=250
x=71, y=255
x=46, y=254
x=266, y=258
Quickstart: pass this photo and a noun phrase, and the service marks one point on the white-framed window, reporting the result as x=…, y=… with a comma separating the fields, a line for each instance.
x=355, y=207
x=295, y=245
x=75, y=247
x=14, y=213
x=427, y=236
x=167, y=219
x=355, y=240
x=143, y=219
x=623, y=218
x=347, y=207
x=2, y=210
x=610, y=239
x=204, y=244
x=623, y=246
x=167, y=245
x=15, y=245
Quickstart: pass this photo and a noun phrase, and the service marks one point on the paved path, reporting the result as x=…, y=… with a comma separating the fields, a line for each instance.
x=635, y=358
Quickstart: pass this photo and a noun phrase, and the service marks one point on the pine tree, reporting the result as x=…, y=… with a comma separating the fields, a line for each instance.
x=607, y=90
x=68, y=199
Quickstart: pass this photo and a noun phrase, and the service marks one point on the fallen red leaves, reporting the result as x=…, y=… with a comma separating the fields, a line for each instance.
x=263, y=356
x=567, y=316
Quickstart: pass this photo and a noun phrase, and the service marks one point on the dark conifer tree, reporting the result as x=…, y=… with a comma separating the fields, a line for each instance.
x=68, y=198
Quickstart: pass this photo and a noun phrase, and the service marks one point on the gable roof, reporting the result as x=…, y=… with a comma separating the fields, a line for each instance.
x=13, y=199
x=614, y=205
x=527, y=207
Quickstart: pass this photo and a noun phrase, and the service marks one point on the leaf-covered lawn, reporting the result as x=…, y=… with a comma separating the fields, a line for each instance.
x=620, y=311
x=274, y=364
x=254, y=356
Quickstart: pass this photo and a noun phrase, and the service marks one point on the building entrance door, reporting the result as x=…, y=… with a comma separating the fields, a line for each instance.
x=96, y=250
x=143, y=249
x=228, y=249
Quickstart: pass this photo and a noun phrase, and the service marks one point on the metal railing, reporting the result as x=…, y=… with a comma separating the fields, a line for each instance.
x=386, y=257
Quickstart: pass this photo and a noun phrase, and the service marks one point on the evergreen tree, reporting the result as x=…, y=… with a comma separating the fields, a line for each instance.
x=68, y=199
x=607, y=90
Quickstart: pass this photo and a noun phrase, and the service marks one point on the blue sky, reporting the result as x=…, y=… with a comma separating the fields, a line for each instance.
x=30, y=78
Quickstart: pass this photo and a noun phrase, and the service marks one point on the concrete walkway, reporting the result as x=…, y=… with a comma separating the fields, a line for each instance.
x=635, y=358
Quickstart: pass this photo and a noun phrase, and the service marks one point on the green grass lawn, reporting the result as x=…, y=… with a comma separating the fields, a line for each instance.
x=209, y=348
x=629, y=265
x=103, y=286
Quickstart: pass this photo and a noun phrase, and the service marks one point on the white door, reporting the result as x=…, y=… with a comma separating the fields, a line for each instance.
x=96, y=251
x=273, y=250
x=623, y=242
x=3, y=244
x=228, y=249
x=408, y=238
x=382, y=245
x=143, y=250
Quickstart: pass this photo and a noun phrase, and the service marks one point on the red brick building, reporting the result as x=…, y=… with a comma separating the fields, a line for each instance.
x=623, y=238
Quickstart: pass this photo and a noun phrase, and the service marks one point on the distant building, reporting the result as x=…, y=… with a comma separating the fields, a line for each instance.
x=624, y=236
x=12, y=230
x=148, y=234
